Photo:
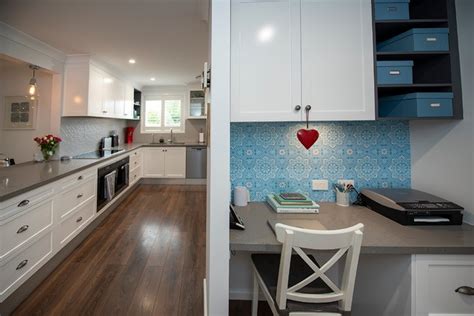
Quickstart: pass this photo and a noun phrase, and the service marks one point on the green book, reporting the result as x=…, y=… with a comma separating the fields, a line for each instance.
x=283, y=201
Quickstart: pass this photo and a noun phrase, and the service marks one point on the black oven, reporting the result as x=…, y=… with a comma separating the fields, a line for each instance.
x=112, y=179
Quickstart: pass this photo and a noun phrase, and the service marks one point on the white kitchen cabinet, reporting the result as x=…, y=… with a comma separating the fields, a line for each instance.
x=435, y=279
x=337, y=59
x=265, y=61
x=291, y=53
x=175, y=162
x=164, y=162
x=91, y=91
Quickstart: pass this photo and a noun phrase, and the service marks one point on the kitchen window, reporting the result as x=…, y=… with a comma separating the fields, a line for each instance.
x=162, y=113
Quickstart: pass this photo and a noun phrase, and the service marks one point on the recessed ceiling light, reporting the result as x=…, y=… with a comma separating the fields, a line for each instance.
x=132, y=61
x=152, y=78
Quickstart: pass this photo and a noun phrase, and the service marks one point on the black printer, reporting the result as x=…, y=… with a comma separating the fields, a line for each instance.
x=412, y=207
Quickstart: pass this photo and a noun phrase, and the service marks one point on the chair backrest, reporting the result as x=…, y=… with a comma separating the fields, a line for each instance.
x=343, y=240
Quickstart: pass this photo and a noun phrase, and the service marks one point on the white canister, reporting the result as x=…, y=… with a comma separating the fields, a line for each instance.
x=241, y=196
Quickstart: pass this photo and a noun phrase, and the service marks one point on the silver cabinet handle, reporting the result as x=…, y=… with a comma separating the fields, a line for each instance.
x=22, y=229
x=394, y=72
x=431, y=39
x=298, y=107
x=22, y=264
x=80, y=178
x=435, y=105
x=23, y=203
x=308, y=107
x=466, y=290
x=80, y=195
x=79, y=220
x=104, y=111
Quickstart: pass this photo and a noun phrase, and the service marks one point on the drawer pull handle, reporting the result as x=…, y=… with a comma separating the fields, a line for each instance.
x=22, y=264
x=80, y=178
x=80, y=195
x=435, y=105
x=23, y=203
x=22, y=229
x=392, y=9
x=79, y=220
x=431, y=39
x=394, y=72
x=466, y=290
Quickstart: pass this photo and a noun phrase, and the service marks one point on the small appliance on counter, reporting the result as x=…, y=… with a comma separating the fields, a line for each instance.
x=115, y=139
x=201, y=137
x=129, y=134
x=412, y=207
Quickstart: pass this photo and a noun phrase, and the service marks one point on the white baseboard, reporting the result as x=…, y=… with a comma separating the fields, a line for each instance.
x=174, y=181
x=243, y=295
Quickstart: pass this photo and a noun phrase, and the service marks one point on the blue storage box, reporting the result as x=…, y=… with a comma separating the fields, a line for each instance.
x=395, y=72
x=426, y=104
x=392, y=10
x=428, y=39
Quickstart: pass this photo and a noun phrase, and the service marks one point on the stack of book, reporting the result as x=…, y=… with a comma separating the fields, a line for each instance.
x=292, y=203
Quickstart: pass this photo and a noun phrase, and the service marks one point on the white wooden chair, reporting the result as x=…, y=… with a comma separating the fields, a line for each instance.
x=295, y=284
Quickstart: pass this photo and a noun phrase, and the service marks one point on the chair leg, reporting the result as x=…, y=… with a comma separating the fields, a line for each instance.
x=255, y=295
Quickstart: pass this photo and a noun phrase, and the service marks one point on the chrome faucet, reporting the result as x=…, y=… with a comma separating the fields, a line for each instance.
x=171, y=136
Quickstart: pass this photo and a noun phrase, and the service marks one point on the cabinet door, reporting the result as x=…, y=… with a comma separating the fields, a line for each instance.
x=153, y=163
x=128, y=102
x=337, y=59
x=109, y=95
x=96, y=92
x=119, y=98
x=265, y=61
x=175, y=162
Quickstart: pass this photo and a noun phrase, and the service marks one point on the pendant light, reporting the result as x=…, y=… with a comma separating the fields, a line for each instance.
x=33, y=87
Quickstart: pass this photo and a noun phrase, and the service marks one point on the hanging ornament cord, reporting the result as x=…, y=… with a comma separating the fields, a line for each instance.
x=307, y=108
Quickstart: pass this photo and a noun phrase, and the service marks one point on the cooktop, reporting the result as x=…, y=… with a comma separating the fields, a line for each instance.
x=98, y=154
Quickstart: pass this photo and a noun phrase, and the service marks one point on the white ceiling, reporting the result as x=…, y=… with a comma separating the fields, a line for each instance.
x=168, y=38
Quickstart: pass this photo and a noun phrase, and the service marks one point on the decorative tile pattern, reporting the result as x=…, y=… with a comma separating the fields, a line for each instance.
x=267, y=157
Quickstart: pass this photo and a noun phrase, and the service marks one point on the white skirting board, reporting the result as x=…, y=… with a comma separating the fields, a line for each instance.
x=174, y=181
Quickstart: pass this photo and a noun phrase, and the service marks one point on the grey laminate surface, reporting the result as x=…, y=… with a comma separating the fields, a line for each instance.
x=25, y=177
x=381, y=235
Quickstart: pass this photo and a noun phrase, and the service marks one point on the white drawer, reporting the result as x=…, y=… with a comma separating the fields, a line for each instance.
x=76, y=221
x=23, y=227
x=24, y=202
x=135, y=159
x=78, y=178
x=135, y=174
x=16, y=270
x=435, y=281
x=74, y=196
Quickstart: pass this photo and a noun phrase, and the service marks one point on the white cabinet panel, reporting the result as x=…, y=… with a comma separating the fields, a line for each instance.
x=175, y=162
x=128, y=102
x=435, y=280
x=337, y=59
x=153, y=163
x=265, y=61
x=96, y=92
x=109, y=95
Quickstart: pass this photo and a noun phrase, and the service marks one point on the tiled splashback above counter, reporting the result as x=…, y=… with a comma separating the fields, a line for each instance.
x=267, y=157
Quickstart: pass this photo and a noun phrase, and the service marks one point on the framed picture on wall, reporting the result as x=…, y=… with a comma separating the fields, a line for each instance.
x=19, y=113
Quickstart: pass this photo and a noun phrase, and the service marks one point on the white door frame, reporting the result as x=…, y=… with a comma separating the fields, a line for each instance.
x=218, y=171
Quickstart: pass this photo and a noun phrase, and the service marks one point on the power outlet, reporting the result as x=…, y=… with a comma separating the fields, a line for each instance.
x=320, y=185
x=346, y=182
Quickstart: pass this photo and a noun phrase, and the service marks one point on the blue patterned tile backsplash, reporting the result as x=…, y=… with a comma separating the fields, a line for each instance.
x=268, y=158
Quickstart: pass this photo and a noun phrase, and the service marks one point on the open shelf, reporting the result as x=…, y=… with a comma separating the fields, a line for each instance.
x=409, y=55
x=394, y=89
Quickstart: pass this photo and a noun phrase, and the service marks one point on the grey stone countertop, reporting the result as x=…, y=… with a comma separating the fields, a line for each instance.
x=24, y=177
x=381, y=235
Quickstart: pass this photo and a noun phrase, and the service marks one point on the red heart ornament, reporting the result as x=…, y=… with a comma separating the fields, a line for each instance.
x=307, y=137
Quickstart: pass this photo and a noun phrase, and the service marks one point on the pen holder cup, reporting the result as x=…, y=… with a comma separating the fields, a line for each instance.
x=343, y=198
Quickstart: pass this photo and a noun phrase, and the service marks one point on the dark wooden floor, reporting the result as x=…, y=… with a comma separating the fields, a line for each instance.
x=146, y=258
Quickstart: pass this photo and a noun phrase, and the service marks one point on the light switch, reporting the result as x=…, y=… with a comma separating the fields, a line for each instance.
x=320, y=185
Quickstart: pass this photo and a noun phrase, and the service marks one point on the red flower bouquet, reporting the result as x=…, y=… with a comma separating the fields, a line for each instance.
x=48, y=144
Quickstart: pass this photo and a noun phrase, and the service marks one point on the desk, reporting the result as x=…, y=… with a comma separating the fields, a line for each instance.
x=385, y=275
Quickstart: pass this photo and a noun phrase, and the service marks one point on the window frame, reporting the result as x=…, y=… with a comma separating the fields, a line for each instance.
x=163, y=97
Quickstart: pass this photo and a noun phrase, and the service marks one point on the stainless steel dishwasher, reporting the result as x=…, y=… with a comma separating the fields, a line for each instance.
x=196, y=163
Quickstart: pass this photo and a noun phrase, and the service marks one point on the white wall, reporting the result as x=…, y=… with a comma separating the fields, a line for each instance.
x=442, y=152
x=14, y=78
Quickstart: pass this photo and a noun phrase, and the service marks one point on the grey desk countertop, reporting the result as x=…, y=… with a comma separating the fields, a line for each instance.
x=25, y=177
x=381, y=235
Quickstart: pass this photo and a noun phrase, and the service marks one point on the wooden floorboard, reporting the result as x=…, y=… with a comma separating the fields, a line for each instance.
x=145, y=258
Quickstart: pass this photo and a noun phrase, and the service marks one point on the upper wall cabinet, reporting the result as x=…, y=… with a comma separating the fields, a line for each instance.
x=90, y=91
x=292, y=53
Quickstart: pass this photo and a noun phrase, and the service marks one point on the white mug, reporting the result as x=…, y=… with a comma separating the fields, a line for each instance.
x=241, y=196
